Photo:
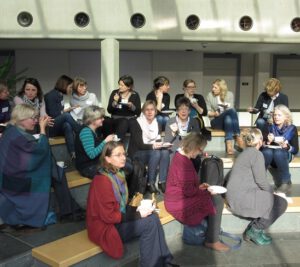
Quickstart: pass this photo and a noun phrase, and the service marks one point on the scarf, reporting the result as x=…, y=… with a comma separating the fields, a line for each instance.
x=287, y=131
x=34, y=103
x=182, y=128
x=150, y=131
x=119, y=187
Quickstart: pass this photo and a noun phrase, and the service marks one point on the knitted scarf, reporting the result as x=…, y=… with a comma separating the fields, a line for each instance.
x=119, y=187
x=34, y=103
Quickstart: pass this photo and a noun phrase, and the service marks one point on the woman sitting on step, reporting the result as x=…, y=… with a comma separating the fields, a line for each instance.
x=145, y=145
x=282, y=136
x=188, y=201
x=110, y=221
x=249, y=193
x=223, y=116
x=88, y=145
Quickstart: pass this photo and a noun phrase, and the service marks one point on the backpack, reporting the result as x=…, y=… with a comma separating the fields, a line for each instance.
x=212, y=171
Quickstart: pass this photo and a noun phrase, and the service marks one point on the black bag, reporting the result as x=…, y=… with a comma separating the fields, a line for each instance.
x=137, y=180
x=212, y=171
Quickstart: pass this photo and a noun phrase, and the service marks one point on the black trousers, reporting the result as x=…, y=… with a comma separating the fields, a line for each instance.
x=279, y=207
x=153, y=248
x=214, y=221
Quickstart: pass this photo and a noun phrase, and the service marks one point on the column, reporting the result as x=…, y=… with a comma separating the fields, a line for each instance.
x=109, y=68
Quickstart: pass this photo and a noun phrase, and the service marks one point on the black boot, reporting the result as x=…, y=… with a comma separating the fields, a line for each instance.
x=162, y=186
x=152, y=188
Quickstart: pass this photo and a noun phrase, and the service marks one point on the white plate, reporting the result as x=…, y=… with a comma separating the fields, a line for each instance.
x=273, y=147
x=167, y=111
x=167, y=145
x=216, y=189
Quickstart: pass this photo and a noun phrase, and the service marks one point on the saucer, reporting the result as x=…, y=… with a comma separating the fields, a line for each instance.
x=216, y=189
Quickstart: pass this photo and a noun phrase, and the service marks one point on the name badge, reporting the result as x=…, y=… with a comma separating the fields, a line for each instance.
x=4, y=109
x=265, y=105
x=89, y=102
x=62, y=103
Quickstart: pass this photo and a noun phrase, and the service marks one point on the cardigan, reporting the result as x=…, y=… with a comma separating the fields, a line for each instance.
x=165, y=101
x=123, y=110
x=54, y=103
x=249, y=193
x=42, y=110
x=212, y=102
x=184, y=200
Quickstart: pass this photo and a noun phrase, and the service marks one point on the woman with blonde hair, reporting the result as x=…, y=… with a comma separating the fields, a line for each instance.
x=281, y=146
x=223, y=116
x=266, y=102
x=249, y=193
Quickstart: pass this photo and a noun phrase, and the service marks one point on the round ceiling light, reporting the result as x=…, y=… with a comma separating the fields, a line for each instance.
x=246, y=23
x=295, y=24
x=82, y=19
x=138, y=20
x=192, y=22
x=25, y=19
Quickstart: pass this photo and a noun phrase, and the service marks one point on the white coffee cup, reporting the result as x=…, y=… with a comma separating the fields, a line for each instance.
x=116, y=138
x=278, y=139
x=60, y=164
x=124, y=100
x=146, y=203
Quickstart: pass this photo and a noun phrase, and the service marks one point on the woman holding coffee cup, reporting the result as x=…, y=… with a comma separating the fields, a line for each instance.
x=124, y=104
x=110, y=221
x=281, y=146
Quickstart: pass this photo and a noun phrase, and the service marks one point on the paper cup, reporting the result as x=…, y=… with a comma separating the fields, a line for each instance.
x=60, y=164
x=146, y=203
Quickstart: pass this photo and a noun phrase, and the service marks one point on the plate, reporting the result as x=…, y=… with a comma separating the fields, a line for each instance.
x=167, y=145
x=216, y=189
x=123, y=103
x=273, y=147
x=167, y=111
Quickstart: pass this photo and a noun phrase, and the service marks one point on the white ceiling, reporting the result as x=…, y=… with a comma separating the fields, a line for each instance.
x=209, y=47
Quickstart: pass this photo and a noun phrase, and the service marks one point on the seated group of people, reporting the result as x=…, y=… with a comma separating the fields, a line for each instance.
x=25, y=163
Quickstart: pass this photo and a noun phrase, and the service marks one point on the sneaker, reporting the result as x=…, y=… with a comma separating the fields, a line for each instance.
x=257, y=236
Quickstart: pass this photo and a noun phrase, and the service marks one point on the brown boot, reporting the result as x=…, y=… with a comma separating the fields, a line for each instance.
x=229, y=148
x=239, y=143
x=218, y=246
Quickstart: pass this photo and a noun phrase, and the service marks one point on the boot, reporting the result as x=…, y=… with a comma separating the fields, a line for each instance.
x=239, y=144
x=257, y=236
x=284, y=188
x=229, y=148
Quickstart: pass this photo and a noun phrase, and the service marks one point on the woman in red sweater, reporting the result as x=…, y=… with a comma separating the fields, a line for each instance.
x=186, y=200
x=110, y=221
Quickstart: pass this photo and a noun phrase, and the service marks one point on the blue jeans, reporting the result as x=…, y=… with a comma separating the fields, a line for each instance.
x=278, y=158
x=154, y=251
x=261, y=124
x=162, y=121
x=154, y=158
x=64, y=124
x=227, y=121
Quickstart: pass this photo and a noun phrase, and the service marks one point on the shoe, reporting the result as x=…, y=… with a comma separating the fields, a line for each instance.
x=229, y=149
x=284, y=188
x=26, y=229
x=267, y=237
x=152, y=189
x=162, y=187
x=257, y=236
x=239, y=144
x=217, y=246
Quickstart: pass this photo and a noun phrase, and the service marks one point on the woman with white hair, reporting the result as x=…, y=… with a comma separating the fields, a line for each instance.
x=281, y=146
x=25, y=169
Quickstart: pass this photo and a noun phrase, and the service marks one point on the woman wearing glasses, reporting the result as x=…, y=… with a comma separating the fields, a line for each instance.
x=198, y=105
x=25, y=169
x=111, y=222
x=88, y=145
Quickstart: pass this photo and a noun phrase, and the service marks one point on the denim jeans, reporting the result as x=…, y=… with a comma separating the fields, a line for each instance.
x=162, y=121
x=278, y=158
x=154, y=158
x=261, y=124
x=65, y=125
x=227, y=121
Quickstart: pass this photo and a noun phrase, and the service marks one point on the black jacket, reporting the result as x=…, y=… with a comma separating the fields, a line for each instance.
x=54, y=103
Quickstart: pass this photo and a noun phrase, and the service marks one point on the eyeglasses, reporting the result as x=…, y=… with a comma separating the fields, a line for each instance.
x=34, y=117
x=119, y=155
